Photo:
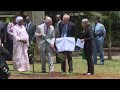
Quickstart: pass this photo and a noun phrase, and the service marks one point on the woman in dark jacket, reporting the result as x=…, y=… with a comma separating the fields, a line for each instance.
x=87, y=38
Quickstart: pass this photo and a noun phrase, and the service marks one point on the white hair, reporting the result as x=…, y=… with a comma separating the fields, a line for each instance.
x=66, y=16
x=85, y=20
x=48, y=19
x=18, y=19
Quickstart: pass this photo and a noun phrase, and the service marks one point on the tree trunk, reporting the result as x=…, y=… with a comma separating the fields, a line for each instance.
x=109, y=40
x=109, y=50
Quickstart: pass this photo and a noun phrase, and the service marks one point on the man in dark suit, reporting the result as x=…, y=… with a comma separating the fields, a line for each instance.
x=4, y=56
x=67, y=29
x=57, y=35
x=3, y=33
x=10, y=27
x=31, y=29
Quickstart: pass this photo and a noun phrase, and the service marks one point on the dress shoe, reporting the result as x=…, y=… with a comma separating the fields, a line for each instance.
x=62, y=71
x=43, y=71
x=89, y=74
x=70, y=71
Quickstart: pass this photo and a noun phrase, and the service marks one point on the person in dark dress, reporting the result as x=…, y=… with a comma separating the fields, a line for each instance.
x=87, y=39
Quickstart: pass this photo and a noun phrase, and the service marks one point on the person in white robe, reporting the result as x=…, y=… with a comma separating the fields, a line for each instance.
x=20, y=46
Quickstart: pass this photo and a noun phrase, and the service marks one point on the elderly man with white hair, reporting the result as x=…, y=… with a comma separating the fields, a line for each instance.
x=67, y=29
x=20, y=46
x=46, y=31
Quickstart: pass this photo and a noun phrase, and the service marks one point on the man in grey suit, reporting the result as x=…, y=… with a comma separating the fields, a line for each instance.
x=45, y=32
x=31, y=29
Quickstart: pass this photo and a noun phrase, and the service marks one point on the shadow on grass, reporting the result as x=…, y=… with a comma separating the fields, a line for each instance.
x=54, y=74
x=11, y=70
x=99, y=64
x=9, y=64
x=31, y=72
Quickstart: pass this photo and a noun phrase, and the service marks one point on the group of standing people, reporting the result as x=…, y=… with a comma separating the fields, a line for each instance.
x=18, y=35
x=93, y=36
x=64, y=28
x=21, y=34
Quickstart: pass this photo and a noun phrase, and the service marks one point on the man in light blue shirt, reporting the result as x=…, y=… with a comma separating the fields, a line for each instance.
x=99, y=33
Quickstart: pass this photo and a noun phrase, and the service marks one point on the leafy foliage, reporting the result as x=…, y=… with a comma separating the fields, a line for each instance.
x=31, y=50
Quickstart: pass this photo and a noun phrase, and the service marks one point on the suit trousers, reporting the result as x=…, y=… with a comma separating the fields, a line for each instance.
x=69, y=57
x=88, y=56
x=10, y=47
x=43, y=55
x=57, y=59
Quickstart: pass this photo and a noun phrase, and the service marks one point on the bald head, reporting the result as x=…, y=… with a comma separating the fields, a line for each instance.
x=48, y=21
x=66, y=18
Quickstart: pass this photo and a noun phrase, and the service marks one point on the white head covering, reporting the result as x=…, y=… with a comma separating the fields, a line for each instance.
x=18, y=19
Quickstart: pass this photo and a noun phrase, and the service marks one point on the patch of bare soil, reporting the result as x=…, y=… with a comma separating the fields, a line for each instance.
x=56, y=75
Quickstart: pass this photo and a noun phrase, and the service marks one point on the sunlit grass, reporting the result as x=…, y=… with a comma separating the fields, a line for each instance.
x=79, y=67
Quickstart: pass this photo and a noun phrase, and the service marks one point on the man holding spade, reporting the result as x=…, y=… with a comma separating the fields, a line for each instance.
x=66, y=29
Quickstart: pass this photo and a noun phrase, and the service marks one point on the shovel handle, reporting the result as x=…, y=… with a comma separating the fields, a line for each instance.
x=50, y=44
x=55, y=50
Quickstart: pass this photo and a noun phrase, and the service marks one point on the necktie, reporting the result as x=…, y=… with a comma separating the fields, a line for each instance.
x=63, y=31
x=46, y=30
x=27, y=26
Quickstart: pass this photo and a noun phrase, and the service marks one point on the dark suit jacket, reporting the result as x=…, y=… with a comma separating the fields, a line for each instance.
x=70, y=29
x=31, y=31
x=3, y=31
x=88, y=36
x=5, y=54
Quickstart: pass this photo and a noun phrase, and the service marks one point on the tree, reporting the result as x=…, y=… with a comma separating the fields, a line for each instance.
x=111, y=20
x=106, y=17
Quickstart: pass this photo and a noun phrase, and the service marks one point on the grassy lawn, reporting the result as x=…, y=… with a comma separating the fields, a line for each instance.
x=110, y=70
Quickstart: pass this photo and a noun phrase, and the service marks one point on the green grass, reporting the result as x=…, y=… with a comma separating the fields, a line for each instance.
x=79, y=66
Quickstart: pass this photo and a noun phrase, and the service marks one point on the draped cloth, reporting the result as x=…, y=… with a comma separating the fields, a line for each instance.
x=20, y=55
